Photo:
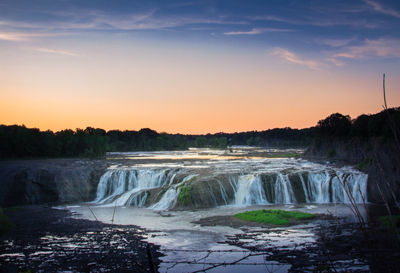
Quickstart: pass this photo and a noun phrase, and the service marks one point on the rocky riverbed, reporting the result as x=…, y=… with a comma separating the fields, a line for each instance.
x=50, y=240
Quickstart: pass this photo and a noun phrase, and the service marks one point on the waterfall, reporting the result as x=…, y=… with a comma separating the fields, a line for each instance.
x=349, y=186
x=249, y=191
x=283, y=190
x=223, y=192
x=137, y=199
x=107, y=191
x=102, y=188
x=129, y=187
x=303, y=184
x=159, y=188
x=170, y=196
x=318, y=187
x=167, y=200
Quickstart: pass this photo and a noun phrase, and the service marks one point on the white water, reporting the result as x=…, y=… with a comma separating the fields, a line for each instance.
x=283, y=190
x=249, y=191
x=169, y=198
x=227, y=180
x=125, y=186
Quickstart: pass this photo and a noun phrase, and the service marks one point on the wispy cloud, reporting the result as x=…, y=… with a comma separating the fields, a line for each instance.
x=19, y=36
x=91, y=20
x=325, y=20
x=28, y=36
x=102, y=20
x=381, y=9
x=55, y=51
x=335, y=42
x=14, y=37
x=291, y=57
x=336, y=61
x=256, y=31
x=372, y=48
x=16, y=24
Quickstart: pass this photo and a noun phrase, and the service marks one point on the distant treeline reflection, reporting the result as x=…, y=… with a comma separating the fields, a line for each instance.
x=21, y=142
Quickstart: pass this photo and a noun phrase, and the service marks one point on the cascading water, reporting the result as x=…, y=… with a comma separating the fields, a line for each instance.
x=318, y=187
x=236, y=183
x=170, y=195
x=283, y=190
x=223, y=192
x=303, y=184
x=126, y=187
x=249, y=191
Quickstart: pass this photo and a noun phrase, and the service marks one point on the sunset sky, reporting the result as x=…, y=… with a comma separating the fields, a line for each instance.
x=195, y=66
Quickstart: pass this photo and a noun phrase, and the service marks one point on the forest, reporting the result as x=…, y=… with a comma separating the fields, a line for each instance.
x=384, y=125
x=17, y=141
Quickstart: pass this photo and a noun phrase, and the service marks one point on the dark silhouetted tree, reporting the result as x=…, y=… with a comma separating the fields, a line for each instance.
x=336, y=125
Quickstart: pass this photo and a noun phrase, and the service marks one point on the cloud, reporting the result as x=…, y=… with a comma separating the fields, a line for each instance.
x=293, y=58
x=335, y=42
x=256, y=31
x=55, y=51
x=14, y=37
x=336, y=61
x=92, y=20
x=150, y=22
x=381, y=9
x=325, y=20
x=372, y=48
x=27, y=36
x=19, y=36
x=103, y=20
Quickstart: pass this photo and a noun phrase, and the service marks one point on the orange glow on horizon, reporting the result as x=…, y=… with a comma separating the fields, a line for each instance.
x=227, y=92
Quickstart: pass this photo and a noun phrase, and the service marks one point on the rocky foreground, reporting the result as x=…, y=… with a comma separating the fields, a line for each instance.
x=49, y=240
x=338, y=247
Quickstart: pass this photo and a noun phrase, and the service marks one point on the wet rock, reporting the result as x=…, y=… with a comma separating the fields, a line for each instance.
x=50, y=181
x=49, y=240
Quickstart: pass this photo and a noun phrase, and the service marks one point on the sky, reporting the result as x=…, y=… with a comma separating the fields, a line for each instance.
x=195, y=67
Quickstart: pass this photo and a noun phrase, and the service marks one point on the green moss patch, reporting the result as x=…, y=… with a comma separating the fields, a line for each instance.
x=274, y=217
x=185, y=197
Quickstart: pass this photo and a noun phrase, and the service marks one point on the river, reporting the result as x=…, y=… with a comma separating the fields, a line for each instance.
x=169, y=193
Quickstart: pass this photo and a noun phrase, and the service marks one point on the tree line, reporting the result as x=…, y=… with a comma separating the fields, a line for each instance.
x=381, y=125
x=21, y=142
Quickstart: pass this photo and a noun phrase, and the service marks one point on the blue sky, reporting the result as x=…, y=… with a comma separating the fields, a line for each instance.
x=333, y=31
x=329, y=42
x=330, y=28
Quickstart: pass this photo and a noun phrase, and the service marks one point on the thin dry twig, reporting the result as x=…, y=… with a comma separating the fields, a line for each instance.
x=112, y=220
x=350, y=196
x=231, y=263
